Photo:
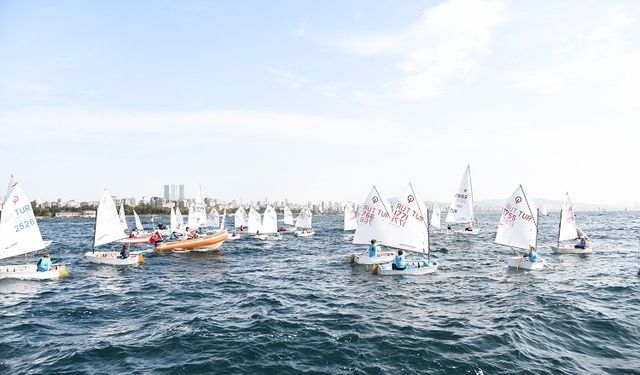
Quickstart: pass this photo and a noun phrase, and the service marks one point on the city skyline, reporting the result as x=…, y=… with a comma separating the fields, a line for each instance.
x=321, y=101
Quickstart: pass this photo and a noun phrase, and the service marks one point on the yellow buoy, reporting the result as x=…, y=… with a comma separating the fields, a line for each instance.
x=374, y=269
x=140, y=259
x=352, y=258
x=63, y=271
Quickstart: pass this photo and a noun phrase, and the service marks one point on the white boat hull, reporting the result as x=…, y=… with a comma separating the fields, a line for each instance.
x=268, y=237
x=414, y=268
x=571, y=249
x=364, y=258
x=113, y=258
x=29, y=272
x=523, y=263
x=474, y=231
x=234, y=236
x=304, y=234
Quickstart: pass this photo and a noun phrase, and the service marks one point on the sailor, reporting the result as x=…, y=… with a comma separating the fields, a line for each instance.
x=469, y=227
x=583, y=242
x=532, y=255
x=449, y=227
x=399, y=262
x=373, y=249
x=44, y=264
x=124, y=253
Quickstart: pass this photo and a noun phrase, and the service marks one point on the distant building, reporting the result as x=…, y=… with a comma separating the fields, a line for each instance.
x=167, y=192
x=181, y=192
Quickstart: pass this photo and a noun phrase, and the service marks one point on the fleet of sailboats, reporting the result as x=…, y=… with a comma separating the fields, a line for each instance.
x=405, y=226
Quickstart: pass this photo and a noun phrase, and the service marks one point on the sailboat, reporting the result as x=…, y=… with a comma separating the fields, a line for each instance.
x=350, y=221
x=139, y=236
x=240, y=219
x=567, y=230
x=108, y=229
x=213, y=220
x=373, y=216
x=269, y=228
x=544, y=212
x=123, y=219
x=408, y=229
x=197, y=212
x=461, y=209
x=20, y=234
x=288, y=221
x=519, y=228
x=435, y=216
x=303, y=223
x=254, y=222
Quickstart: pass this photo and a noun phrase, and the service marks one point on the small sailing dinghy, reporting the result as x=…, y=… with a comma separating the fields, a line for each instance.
x=19, y=235
x=287, y=221
x=567, y=230
x=519, y=228
x=461, y=209
x=269, y=228
x=373, y=216
x=108, y=229
x=350, y=220
x=408, y=229
x=435, y=216
x=303, y=223
x=138, y=235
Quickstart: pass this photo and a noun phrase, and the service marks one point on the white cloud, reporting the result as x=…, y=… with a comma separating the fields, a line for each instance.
x=446, y=44
x=287, y=77
x=301, y=31
x=35, y=90
x=602, y=57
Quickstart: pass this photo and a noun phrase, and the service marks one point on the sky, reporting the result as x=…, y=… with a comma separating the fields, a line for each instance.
x=321, y=100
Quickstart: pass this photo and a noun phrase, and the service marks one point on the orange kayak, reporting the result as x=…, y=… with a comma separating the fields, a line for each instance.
x=209, y=242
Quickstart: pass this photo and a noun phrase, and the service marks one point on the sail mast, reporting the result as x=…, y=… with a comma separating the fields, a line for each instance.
x=560, y=225
x=473, y=210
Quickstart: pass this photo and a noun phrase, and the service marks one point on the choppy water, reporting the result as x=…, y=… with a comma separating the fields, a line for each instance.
x=298, y=307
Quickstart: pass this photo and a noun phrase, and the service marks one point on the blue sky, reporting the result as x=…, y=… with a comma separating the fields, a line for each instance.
x=311, y=101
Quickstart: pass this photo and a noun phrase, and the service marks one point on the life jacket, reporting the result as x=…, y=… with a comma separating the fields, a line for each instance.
x=533, y=257
x=373, y=251
x=400, y=262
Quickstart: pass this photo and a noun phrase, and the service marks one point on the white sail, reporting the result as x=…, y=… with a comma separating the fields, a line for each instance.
x=407, y=228
x=288, y=216
x=137, y=221
x=519, y=223
x=350, y=220
x=108, y=226
x=269, y=221
x=461, y=209
x=179, y=221
x=199, y=211
x=123, y=218
x=304, y=218
x=213, y=220
x=568, y=228
x=254, y=223
x=240, y=218
x=544, y=211
x=19, y=231
x=435, y=216
x=173, y=222
x=373, y=215
x=222, y=219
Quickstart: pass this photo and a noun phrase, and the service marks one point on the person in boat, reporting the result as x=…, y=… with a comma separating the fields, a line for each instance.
x=173, y=236
x=469, y=227
x=44, y=264
x=132, y=233
x=125, y=252
x=532, y=255
x=399, y=263
x=155, y=237
x=449, y=227
x=583, y=242
x=282, y=229
x=191, y=233
x=161, y=226
x=373, y=249
x=241, y=228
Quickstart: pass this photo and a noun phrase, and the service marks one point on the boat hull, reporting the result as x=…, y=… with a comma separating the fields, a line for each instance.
x=29, y=272
x=304, y=234
x=523, y=263
x=365, y=259
x=470, y=232
x=571, y=249
x=113, y=258
x=268, y=237
x=414, y=268
x=206, y=242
